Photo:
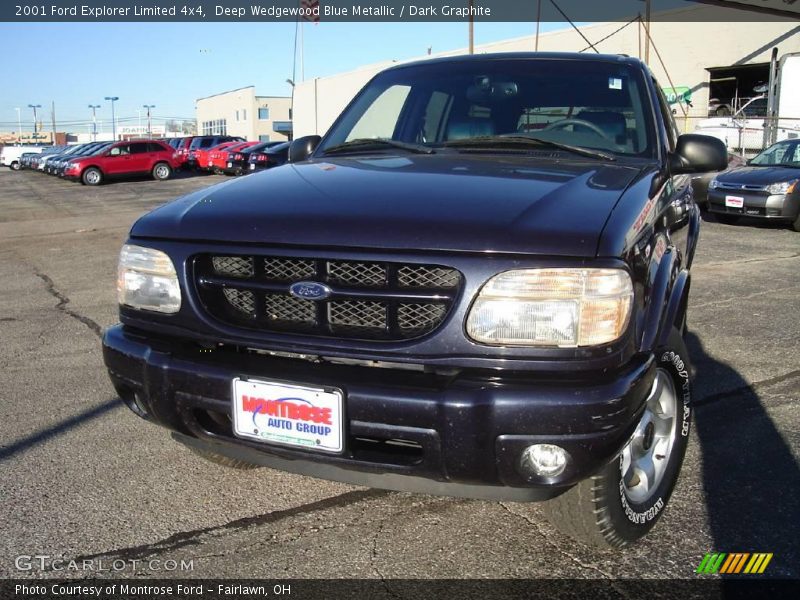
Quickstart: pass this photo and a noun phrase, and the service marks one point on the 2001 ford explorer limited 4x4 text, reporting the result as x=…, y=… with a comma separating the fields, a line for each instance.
x=474, y=285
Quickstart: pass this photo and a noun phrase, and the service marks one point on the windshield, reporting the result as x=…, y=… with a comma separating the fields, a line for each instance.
x=588, y=104
x=783, y=154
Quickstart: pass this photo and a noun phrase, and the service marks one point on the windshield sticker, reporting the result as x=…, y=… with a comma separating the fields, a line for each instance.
x=614, y=83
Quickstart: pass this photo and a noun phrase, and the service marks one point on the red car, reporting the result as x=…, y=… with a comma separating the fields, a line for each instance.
x=202, y=156
x=218, y=160
x=123, y=159
x=181, y=146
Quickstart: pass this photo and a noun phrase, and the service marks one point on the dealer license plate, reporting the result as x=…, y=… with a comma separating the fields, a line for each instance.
x=230, y=165
x=210, y=164
x=734, y=201
x=292, y=415
x=252, y=167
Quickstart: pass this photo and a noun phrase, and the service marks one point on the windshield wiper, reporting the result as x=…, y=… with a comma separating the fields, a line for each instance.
x=495, y=141
x=360, y=144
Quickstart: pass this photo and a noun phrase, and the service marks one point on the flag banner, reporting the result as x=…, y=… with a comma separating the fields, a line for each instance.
x=310, y=10
x=397, y=10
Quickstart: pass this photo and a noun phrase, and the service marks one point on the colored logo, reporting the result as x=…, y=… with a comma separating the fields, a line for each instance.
x=734, y=563
x=310, y=290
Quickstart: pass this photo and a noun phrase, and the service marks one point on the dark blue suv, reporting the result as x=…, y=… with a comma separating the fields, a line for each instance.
x=474, y=285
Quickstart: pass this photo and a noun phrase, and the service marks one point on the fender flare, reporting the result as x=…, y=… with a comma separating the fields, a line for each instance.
x=663, y=301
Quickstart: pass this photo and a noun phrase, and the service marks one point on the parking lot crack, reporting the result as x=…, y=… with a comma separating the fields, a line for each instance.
x=751, y=387
x=63, y=301
x=745, y=261
x=197, y=536
x=374, y=563
x=556, y=547
x=740, y=298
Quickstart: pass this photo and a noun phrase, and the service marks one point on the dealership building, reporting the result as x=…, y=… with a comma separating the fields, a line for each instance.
x=241, y=112
x=696, y=50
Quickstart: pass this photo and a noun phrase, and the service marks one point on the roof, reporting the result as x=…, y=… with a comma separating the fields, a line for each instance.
x=247, y=87
x=522, y=55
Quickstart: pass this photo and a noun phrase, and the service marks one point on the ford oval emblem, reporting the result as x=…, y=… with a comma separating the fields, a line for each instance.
x=310, y=290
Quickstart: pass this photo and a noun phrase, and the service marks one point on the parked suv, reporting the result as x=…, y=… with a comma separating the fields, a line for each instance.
x=474, y=285
x=123, y=159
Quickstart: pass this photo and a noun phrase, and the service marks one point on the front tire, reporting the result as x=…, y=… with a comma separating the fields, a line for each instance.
x=14, y=166
x=623, y=502
x=796, y=224
x=92, y=176
x=162, y=171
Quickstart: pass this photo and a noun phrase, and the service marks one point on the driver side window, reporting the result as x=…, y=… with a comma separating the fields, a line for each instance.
x=119, y=150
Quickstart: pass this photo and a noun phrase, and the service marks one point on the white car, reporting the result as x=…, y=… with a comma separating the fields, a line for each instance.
x=9, y=156
x=745, y=130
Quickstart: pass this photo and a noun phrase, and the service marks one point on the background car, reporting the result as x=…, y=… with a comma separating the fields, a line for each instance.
x=219, y=161
x=204, y=142
x=38, y=160
x=124, y=159
x=700, y=182
x=9, y=156
x=55, y=162
x=266, y=158
x=767, y=187
x=237, y=162
x=57, y=166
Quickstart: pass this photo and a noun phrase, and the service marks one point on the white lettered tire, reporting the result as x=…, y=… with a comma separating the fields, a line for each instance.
x=621, y=503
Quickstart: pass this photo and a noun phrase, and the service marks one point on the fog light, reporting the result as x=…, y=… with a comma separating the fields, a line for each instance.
x=544, y=460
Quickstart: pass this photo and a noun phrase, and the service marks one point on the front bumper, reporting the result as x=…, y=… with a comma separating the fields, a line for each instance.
x=461, y=433
x=756, y=204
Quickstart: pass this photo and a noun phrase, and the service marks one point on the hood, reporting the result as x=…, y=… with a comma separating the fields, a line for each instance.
x=754, y=175
x=451, y=202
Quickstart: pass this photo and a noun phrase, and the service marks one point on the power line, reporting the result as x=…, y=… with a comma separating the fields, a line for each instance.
x=575, y=27
x=612, y=34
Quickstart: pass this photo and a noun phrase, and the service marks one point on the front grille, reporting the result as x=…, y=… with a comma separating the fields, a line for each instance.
x=368, y=300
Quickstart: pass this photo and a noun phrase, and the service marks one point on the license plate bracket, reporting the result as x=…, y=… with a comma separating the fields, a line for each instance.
x=288, y=414
x=734, y=201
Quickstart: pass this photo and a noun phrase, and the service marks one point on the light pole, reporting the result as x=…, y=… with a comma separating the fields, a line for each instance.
x=94, y=120
x=148, y=107
x=35, y=130
x=113, y=118
x=291, y=108
x=19, y=125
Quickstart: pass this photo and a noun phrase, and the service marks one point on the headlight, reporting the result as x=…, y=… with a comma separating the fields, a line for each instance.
x=552, y=307
x=146, y=279
x=714, y=184
x=785, y=187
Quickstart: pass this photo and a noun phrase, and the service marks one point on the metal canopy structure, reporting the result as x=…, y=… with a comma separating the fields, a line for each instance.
x=778, y=8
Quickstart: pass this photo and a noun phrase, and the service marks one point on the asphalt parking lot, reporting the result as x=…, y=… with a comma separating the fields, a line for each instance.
x=82, y=478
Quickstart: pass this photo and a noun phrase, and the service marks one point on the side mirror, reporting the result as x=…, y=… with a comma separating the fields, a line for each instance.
x=696, y=153
x=301, y=148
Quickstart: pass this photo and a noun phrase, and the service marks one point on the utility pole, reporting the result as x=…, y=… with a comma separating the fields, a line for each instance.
x=471, y=29
x=53, y=117
x=647, y=31
x=149, y=128
x=538, y=22
x=113, y=118
x=94, y=120
x=35, y=120
x=19, y=124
